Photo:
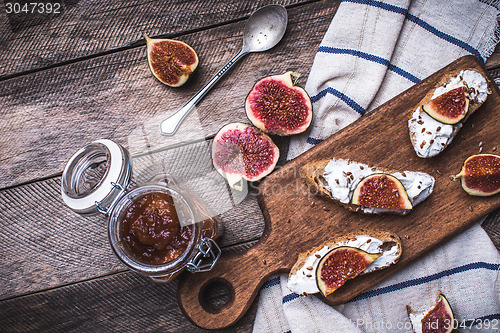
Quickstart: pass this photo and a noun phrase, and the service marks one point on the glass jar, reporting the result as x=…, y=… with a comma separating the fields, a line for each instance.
x=156, y=229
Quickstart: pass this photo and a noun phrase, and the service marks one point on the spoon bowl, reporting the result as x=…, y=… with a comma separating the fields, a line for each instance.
x=263, y=30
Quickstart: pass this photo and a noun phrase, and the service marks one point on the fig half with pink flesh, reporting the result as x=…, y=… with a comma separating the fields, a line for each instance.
x=171, y=61
x=339, y=265
x=480, y=175
x=381, y=191
x=277, y=106
x=243, y=151
x=450, y=107
x=438, y=319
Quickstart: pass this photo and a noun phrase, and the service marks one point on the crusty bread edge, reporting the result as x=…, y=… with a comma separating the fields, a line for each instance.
x=312, y=173
x=427, y=98
x=384, y=236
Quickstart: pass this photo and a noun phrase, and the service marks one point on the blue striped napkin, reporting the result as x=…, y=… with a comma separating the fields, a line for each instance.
x=372, y=51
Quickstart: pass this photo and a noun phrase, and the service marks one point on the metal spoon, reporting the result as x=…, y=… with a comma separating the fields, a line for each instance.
x=263, y=30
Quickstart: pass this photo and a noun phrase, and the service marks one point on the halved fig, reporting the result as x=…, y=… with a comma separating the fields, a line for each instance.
x=480, y=175
x=450, y=107
x=277, y=106
x=381, y=190
x=339, y=265
x=243, y=151
x=171, y=61
x=438, y=319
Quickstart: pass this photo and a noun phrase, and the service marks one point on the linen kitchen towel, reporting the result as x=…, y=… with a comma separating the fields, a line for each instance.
x=372, y=51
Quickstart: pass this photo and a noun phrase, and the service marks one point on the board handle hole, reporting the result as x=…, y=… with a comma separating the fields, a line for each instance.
x=216, y=294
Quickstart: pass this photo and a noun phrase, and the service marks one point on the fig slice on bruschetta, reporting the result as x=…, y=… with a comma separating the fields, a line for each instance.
x=367, y=189
x=439, y=116
x=328, y=266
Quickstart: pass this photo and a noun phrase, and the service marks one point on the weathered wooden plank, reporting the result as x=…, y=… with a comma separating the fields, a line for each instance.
x=494, y=60
x=50, y=114
x=32, y=41
x=121, y=302
x=45, y=245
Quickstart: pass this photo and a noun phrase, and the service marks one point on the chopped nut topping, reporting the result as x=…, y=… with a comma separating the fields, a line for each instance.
x=403, y=174
x=361, y=167
x=423, y=129
x=480, y=149
x=313, y=204
x=308, y=275
x=317, y=255
x=431, y=142
x=337, y=181
x=422, y=144
x=494, y=148
x=471, y=209
x=309, y=268
x=374, y=169
x=480, y=143
x=438, y=172
x=438, y=128
x=420, y=122
x=428, y=132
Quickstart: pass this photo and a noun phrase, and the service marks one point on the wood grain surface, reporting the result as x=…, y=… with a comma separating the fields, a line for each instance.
x=86, y=28
x=61, y=109
x=68, y=79
x=294, y=225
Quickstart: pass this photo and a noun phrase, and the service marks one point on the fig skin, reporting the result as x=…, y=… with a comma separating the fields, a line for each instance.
x=277, y=106
x=241, y=151
x=350, y=262
x=171, y=61
x=454, y=102
x=480, y=175
x=438, y=319
x=389, y=193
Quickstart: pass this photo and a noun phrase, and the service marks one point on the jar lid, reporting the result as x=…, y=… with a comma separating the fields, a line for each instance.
x=95, y=177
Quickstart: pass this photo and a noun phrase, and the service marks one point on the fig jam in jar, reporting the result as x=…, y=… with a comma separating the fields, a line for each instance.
x=156, y=229
x=151, y=230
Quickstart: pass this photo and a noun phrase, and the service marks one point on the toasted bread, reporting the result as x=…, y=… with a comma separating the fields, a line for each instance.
x=386, y=240
x=313, y=174
x=452, y=131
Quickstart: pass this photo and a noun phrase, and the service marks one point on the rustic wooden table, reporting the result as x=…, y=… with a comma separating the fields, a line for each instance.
x=70, y=78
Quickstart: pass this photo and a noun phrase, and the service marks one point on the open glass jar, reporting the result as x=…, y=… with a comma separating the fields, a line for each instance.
x=156, y=229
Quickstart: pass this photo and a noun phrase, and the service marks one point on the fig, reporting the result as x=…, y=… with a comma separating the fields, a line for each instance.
x=480, y=175
x=438, y=319
x=381, y=190
x=241, y=151
x=277, y=106
x=339, y=265
x=171, y=61
x=450, y=107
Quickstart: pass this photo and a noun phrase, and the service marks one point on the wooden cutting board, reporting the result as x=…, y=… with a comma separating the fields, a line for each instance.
x=293, y=225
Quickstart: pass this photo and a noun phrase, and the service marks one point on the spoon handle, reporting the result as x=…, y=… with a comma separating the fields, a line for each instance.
x=170, y=125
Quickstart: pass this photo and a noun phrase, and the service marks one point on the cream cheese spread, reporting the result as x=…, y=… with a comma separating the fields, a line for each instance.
x=432, y=136
x=303, y=281
x=342, y=177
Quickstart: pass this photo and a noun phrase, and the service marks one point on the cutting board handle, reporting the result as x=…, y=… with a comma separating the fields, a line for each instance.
x=241, y=274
